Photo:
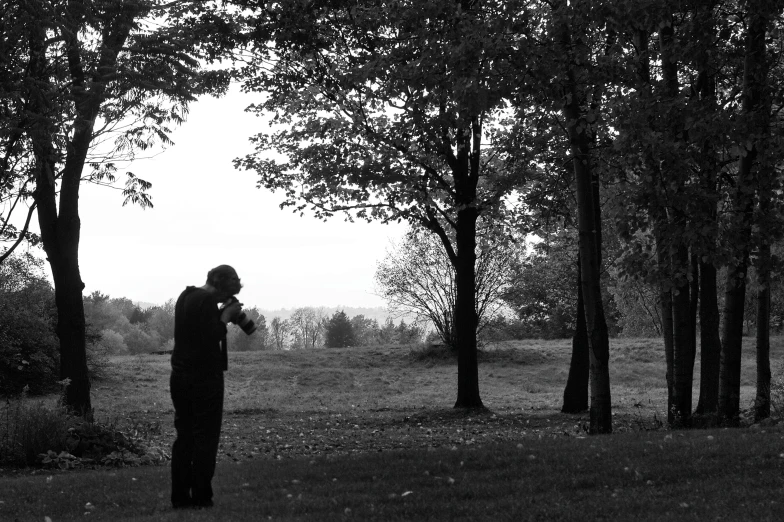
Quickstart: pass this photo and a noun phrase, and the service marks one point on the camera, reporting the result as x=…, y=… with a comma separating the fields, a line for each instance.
x=242, y=320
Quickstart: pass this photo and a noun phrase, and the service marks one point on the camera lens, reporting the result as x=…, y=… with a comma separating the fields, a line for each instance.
x=247, y=325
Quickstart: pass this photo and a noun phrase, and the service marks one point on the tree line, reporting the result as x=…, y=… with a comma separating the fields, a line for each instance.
x=29, y=351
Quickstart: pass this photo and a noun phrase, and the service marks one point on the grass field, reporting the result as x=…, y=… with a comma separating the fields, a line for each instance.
x=370, y=434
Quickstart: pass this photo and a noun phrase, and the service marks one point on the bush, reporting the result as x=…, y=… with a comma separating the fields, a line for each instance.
x=29, y=350
x=139, y=341
x=433, y=351
x=37, y=434
x=777, y=395
x=112, y=342
x=28, y=430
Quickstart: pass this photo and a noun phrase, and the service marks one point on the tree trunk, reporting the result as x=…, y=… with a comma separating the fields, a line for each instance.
x=762, y=400
x=466, y=320
x=60, y=227
x=71, y=331
x=60, y=237
x=466, y=168
x=694, y=305
x=575, y=399
x=589, y=229
x=682, y=360
x=754, y=87
x=683, y=356
x=732, y=344
x=668, y=331
x=710, y=342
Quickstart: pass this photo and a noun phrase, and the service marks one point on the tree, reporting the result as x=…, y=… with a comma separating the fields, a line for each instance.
x=418, y=278
x=756, y=116
x=541, y=288
x=408, y=333
x=339, y=331
x=74, y=71
x=161, y=320
x=689, y=186
x=389, y=112
x=307, y=326
x=579, y=113
x=280, y=331
x=365, y=330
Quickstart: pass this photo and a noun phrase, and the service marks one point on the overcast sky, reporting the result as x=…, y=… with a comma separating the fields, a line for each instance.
x=207, y=213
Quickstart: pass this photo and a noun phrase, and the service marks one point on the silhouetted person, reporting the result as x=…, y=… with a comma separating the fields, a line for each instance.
x=198, y=362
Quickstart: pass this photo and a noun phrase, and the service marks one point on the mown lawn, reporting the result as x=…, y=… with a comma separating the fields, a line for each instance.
x=369, y=434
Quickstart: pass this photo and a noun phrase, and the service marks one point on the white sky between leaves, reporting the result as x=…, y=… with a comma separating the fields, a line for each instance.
x=207, y=213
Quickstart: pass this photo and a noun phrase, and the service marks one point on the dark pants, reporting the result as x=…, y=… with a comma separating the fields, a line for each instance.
x=198, y=411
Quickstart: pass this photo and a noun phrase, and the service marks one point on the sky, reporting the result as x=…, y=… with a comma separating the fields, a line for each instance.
x=207, y=213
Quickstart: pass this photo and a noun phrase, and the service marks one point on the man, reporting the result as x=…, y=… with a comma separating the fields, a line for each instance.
x=198, y=362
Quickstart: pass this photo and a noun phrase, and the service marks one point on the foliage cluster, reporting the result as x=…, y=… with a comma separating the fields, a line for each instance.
x=28, y=344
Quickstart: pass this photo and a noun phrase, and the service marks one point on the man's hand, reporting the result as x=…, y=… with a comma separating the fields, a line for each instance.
x=230, y=312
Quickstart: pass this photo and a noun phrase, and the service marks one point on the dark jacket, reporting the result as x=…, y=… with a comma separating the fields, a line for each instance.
x=199, y=334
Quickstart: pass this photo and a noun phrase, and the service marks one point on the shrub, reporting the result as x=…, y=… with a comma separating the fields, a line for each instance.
x=29, y=430
x=139, y=341
x=112, y=342
x=37, y=434
x=432, y=351
x=28, y=352
x=777, y=395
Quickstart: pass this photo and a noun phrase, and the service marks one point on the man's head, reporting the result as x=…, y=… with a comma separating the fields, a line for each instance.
x=225, y=280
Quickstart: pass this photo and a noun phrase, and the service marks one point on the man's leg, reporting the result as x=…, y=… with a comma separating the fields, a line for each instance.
x=183, y=447
x=207, y=414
